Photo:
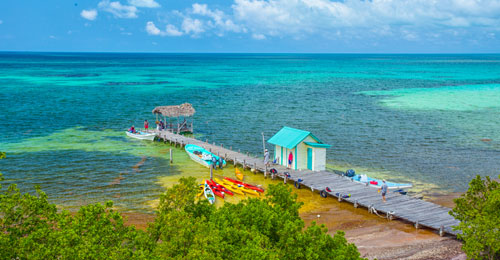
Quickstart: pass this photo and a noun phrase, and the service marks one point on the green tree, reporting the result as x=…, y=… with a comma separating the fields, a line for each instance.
x=254, y=228
x=479, y=213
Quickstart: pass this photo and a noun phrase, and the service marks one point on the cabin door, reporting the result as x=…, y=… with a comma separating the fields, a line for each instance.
x=309, y=158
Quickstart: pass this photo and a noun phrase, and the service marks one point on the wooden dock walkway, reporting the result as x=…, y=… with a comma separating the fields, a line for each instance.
x=413, y=210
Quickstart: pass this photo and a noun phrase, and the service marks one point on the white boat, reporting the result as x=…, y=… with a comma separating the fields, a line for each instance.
x=142, y=135
x=209, y=194
x=376, y=183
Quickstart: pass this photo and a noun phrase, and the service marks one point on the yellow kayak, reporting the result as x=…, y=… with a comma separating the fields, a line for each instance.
x=239, y=188
x=230, y=186
x=249, y=191
x=238, y=174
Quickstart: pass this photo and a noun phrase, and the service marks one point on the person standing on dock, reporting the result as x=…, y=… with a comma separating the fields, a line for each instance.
x=266, y=157
x=290, y=160
x=383, y=189
x=146, y=125
x=221, y=162
x=214, y=162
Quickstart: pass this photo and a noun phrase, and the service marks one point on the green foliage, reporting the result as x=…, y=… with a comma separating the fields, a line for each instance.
x=479, y=213
x=184, y=228
x=31, y=228
x=267, y=228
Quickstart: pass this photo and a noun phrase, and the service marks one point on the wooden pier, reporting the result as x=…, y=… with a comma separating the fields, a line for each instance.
x=416, y=211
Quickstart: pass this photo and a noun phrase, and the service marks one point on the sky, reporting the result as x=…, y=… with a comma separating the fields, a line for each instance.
x=251, y=26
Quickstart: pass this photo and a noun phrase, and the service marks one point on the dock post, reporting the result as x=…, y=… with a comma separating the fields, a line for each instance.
x=265, y=172
x=416, y=224
x=340, y=197
x=171, y=159
x=231, y=148
x=234, y=161
x=370, y=208
x=356, y=203
x=244, y=164
x=225, y=155
x=284, y=179
x=214, y=144
x=247, y=154
x=210, y=149
x=211, y=171
x=239, y=151
x=254, y=167
x=441, y=231
x=206, y=141
x=222, y=145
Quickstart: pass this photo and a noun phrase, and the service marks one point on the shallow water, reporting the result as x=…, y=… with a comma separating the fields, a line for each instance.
x=428, y=119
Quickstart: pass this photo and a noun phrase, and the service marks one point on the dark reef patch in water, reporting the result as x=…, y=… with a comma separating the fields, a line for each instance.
x=78, y=75
x=133, y=83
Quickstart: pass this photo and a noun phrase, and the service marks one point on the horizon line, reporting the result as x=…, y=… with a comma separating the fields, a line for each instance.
x=323, y=53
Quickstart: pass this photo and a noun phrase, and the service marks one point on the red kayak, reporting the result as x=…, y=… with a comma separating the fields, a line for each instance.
x=217, y=191
x=246, y=185
x=220, y=187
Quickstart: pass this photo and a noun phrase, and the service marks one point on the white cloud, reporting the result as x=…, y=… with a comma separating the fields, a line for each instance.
x=118, y=10
x=151, y=29
x=258, y=36
x=192, y=26
x=197, y=20
x=219, y=19
x=351, y=20
x=144, y=3
x=89, y=14
x=302, y=17
x=170, y=30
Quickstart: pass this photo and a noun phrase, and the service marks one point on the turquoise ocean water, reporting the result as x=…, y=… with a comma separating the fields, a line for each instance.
x=433, y=120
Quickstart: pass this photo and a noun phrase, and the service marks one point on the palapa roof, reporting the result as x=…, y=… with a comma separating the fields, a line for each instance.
x=185, y=109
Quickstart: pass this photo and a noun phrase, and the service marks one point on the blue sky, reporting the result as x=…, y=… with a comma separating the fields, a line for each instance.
x=311, y=26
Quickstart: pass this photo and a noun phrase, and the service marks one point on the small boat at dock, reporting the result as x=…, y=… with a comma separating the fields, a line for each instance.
x=238, y=174
x=202, y=156
x=246, y=185
x=376, y=183
x=219, y=187
x=141, y=135
x=230, y=186
x=209, y=194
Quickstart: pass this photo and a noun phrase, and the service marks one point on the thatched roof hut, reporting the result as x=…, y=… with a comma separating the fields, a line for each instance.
x=185, y=109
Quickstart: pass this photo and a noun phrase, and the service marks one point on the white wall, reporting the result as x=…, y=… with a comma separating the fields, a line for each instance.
x=319, y=159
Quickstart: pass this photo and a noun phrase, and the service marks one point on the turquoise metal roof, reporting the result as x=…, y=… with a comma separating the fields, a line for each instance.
x=290, y=137
x=318, y=145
